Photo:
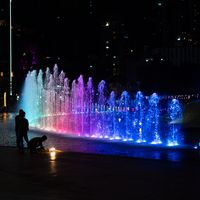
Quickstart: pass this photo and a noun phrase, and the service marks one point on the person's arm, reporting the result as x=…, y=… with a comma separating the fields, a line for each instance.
x=41, y=146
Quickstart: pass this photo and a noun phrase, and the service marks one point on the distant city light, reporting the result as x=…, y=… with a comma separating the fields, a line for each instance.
x=159, y=4
x=107, y=47
x=107, y=24
x=149, y=59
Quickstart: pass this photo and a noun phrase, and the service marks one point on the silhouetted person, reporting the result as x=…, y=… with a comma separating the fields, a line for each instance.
x=35, y=144
x=23, y=128
x=17, y=126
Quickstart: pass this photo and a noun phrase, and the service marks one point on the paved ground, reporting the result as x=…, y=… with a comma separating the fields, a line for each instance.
x=89, y=176
x=96, y=170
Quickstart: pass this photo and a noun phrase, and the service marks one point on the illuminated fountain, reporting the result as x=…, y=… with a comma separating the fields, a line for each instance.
x=175, y=114
x=54, y=104
x=138, y=119
x=154, y=115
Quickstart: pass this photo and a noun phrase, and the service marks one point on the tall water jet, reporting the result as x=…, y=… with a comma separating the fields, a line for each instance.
x=175, y=116
x=30, y=97
x=153, y=115
x=66, y=106
x=113, y=128
x=124, y=116
x=81, y=103
x=39, y=100
x=138, y=119
x=100, y=110
x=89, y=107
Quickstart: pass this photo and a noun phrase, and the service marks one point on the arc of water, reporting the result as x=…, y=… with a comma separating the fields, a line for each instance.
x=77, y=109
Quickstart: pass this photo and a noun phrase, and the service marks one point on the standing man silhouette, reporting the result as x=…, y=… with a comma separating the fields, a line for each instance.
x=23, y=128
x=17, y=118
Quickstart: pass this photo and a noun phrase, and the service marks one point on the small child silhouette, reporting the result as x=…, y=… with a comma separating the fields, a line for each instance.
x=35, y=144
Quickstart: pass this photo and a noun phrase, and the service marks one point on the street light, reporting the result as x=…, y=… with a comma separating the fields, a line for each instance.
x=10, y=6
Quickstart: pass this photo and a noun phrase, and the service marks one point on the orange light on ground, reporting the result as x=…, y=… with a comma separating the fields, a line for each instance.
x=52, y=152
x=52, y=155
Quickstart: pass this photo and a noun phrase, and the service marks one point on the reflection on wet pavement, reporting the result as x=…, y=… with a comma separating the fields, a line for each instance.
x=94, y=146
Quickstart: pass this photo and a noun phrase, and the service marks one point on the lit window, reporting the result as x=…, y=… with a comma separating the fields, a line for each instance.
x=107, y=47
x=1, y=73
x=12, y=74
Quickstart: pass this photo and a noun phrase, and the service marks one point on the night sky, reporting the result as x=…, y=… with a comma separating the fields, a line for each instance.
x=70, y=29
x=70, y=32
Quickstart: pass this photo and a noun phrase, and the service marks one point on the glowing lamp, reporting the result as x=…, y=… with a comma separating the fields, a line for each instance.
x=52, y=149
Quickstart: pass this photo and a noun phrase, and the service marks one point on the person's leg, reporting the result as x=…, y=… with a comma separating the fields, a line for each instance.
x=21, y=144
x=26, y=139
x=17, y=140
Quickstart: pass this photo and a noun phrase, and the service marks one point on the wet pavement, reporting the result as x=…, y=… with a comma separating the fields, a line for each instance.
x=88, y=176
x=91, y=169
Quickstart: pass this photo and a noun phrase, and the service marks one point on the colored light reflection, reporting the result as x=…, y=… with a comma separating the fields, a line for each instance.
x=52, y=152
x=156, y=142
x=172, y=143
x=53, y=155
